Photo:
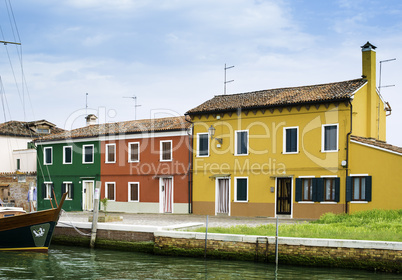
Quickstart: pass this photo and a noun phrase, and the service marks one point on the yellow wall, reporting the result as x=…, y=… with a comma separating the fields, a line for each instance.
x=266, y=159
x=385, y=169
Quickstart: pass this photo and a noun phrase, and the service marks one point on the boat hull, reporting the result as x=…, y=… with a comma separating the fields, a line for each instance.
x=29, y=232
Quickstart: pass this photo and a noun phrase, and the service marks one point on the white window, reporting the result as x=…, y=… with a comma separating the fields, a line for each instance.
x=329, y=138
x=133, y=152
x=88, y=154
x=241, y=189
x=241, y=142
x=166, y=150
x=68, y=187
x=134, y=191
x=47, y=191
x=110, y=190
x=67, y=155
x=47, y=155
x=110, y=153
x=202, y=144
x=291, y=140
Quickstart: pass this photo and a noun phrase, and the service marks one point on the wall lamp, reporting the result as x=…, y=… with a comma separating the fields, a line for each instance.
x=211, y=132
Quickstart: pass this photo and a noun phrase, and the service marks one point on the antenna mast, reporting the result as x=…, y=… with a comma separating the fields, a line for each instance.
x=225, y=82
x=135, y=105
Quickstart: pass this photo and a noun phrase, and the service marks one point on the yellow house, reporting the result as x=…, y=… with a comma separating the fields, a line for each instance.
x=296, y=152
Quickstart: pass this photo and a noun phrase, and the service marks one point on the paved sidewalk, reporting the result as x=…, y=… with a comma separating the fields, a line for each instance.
x=175, y=220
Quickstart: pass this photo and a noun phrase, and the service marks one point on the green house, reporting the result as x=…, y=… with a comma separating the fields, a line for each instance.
x=70, y=164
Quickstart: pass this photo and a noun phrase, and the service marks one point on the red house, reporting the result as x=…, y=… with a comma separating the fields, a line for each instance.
x=145, y=166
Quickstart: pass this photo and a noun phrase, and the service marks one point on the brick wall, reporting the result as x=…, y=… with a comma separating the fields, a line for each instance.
x=17, y=188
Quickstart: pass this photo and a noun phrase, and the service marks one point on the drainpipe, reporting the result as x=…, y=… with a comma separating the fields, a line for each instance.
x=347, y=153
x=190, y=167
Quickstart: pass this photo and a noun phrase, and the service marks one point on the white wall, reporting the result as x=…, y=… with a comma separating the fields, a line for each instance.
x=8, y=162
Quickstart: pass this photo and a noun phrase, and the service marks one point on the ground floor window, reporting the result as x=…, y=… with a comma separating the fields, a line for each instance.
x=318, y=189
x=241, y=186
x=47, y=190
x=110, y=189
x=358, y=188
x=69, y=188
x=134, y=192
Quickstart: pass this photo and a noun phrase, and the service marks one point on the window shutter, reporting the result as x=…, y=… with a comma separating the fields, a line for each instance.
x=298, y=189
x=63, y=188
x=337, y=189
x=43, y=190
x=318, y=189
x=348, y=188
x=72, y=191
x=52, y=190
x=368, y=188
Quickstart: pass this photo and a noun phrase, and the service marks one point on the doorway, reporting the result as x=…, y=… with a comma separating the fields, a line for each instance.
x=222, y=196
x=284, y=196
x=166, y=195
x=87, y=195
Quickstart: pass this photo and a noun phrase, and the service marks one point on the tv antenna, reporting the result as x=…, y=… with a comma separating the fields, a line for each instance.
x=380, y=86
x=86, y=103
x=225, y=81
x=135, y=105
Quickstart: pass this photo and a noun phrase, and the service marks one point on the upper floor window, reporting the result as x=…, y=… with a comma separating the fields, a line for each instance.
x=290, y=140
x=166, y=150
x=241, y=142
x=67, y=155
x=330, y=137
x=202, y=144
x=47, y=153
x=88, y=154
x=134, y=152
x=110, y=153
x=134, y=191
x=110, y=190
x=241, y=189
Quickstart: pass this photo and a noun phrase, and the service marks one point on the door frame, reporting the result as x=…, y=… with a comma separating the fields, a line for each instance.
x=291, y=196
x=161, y=194
x=84, y=194
x=217, y=192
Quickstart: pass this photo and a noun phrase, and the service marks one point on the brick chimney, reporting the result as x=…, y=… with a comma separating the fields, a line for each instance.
x=369, y=73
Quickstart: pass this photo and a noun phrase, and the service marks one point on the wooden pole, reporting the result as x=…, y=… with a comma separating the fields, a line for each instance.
x=95, y=214
x=206, y=239
x=276, y=243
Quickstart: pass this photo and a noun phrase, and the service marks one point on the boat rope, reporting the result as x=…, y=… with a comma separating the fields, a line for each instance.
x=63, y=212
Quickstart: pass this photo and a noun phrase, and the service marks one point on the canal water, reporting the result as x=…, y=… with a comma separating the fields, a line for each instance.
x=82, y=263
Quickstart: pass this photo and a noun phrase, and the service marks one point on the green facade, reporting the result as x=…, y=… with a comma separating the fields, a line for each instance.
x=58, y=172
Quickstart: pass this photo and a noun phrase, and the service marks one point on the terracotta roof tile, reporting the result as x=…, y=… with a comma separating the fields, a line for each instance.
x=25, y=129
x=280, y=97
x=127, y=127
x=377, y=143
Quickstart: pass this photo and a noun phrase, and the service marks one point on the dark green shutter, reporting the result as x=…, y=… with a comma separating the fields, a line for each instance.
x=63, y=188
x=43, y=190
x=318, y=189
x=52, y=190
x=298, y=189
x=368, y=188
x=348, y=188
x=337, y=189
x=241, y=189
x=72, y=191
x=291, y=140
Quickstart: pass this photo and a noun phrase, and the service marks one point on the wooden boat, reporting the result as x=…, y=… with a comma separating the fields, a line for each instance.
x=28, y=231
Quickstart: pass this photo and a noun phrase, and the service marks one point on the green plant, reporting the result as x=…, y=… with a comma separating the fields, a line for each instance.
x=104, y=204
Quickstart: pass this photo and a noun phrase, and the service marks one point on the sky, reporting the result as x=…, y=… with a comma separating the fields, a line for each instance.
x=93, y=56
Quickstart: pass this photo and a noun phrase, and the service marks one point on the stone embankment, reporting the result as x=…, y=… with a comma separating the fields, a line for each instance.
x=167, y=240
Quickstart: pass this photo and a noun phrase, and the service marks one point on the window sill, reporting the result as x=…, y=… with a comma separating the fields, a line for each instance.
x=330, y=151
x=136, y=161
x=358, y=202
x=306, y=202
x=328, y=202
x=110, y=162
x=241, y=201
x=290, y=153
x=202, y=156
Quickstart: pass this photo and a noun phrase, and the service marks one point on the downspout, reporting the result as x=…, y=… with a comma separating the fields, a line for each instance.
x=190, y=167
x=347, y=154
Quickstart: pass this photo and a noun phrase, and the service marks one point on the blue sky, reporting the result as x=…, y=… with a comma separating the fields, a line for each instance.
x=171, y=54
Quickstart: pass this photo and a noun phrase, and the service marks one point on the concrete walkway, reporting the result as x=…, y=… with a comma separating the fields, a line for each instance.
x=176, y=221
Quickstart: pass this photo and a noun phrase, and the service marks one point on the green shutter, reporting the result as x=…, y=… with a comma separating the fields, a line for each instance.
x=348, y=188
x=43, y=190
x=318, y=189
x=72, y=191
x=63, y=188
x=337, y=189
x=298, y=189
x=368, y=188
x=52, y=190
x=241, y=186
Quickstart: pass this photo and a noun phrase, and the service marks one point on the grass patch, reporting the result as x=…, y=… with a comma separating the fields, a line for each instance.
x=380, y=225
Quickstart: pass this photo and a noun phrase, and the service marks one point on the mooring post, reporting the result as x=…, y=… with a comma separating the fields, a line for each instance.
x=95, y=213
x=206, y=238
x=276, y=243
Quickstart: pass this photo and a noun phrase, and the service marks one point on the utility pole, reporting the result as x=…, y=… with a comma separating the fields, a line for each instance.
x=135, y=105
